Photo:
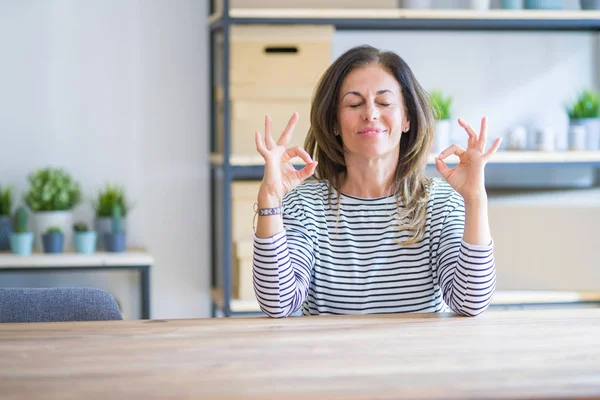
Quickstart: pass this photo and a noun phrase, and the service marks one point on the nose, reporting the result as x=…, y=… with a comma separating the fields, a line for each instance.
x=371, y=112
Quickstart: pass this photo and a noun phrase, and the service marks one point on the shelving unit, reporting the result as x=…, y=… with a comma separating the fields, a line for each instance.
x=226, y=168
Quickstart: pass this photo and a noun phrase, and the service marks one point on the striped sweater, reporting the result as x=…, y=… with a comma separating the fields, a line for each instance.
x=358, y=266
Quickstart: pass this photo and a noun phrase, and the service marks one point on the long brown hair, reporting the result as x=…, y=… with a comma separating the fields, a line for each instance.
x=410, y=184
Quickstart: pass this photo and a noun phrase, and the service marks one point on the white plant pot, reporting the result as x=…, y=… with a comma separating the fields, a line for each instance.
x=103, y=225
x=415, y=4
x=441, y=136
x=45, y=219
x=480, y=5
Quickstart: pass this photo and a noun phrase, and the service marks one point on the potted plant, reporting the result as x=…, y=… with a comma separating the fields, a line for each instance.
x=110, y=196
x=21, y=241
x=53, y=240
x=585, y=112
x=115, y=240
x=5, y=220
x=84, y=239
x=442, y=108
x=51, y=197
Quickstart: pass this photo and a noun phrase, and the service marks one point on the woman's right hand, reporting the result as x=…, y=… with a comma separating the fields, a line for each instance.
x=280, y=175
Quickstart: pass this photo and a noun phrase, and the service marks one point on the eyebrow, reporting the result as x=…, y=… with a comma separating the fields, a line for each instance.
x=382, y=91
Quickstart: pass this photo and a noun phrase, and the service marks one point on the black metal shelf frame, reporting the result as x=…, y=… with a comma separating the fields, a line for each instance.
x=223, y=173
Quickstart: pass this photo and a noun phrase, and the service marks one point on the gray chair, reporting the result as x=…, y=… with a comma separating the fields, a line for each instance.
x=57, y=305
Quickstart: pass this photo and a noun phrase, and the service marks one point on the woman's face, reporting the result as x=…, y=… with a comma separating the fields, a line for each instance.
x=371, y=113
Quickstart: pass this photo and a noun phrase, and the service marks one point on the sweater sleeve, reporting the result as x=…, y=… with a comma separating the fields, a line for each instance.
x=466, y=272
x=282, y=264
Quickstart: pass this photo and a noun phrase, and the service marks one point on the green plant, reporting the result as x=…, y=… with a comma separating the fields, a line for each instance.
x=21, y=218
x=109, y=197
x=442, y=106
x=53, y=229
x=52, y=189
x=116, y=219
x=5, y=200
x=81, y=227
x=586, y=105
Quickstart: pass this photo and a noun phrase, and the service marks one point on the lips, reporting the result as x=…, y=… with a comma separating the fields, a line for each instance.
x=370, y=132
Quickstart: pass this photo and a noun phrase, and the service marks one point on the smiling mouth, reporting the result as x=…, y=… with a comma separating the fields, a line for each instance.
x=372, y=132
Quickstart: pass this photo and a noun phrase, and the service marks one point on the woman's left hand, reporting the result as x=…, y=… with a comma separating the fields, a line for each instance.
x=467, y=178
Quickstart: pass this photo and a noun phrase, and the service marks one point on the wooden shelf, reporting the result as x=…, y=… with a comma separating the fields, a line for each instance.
x=131, y=257
x=501, y=298
x=502, y=157
x=398, y=18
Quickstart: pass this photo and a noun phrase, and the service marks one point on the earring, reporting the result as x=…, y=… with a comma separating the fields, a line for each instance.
x=335, y=132
x=406, y=129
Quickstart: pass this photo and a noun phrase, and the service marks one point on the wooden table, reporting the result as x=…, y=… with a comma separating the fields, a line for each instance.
x=132, y=259
x=516, y=354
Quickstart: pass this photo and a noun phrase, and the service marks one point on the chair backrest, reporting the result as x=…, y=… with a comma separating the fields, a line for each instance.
x=57, y=304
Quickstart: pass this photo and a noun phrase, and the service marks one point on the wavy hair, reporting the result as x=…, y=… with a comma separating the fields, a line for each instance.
x=410, y=184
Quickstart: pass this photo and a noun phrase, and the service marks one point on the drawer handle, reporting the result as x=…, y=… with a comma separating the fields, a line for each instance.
x=281, y=50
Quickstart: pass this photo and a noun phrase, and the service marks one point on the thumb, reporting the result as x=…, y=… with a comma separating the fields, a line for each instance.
x=442, y=167
x=308, y=170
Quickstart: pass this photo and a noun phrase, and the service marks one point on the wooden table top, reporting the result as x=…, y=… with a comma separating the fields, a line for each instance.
x=501, y=354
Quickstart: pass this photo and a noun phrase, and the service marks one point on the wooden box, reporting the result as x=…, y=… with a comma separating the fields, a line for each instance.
x=241, y=278
x=248, y=116
x=279, y=56
x=243, y=196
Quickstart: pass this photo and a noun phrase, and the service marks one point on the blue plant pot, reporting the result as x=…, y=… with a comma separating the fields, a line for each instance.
x=544, y=4
x=5, y=231
x=114, y=242
x=53, y=242
x=85, y=242
x=21, y=243
x=512, y=4
x=590, y=4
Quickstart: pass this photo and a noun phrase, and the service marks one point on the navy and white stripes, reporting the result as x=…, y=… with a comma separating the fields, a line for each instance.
x=354, y=264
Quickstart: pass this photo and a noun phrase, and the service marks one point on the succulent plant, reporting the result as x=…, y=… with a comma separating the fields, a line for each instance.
x=586, y=105
x=53, y=229
x=107, y=198
x=52, y=189
x=442, y=106
x=80, y=227
x=5, y=200
x=21, y=218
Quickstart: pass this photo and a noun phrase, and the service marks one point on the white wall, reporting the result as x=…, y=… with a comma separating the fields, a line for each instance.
x=116, y=91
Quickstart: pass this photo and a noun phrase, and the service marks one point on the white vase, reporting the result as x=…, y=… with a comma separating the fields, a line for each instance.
x=103, y=225
x=480, y=5
x=416, y=4
x=441, y=136
x=45, y=219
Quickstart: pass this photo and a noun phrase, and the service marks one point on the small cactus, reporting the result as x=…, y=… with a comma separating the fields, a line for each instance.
x=21, y=218
x=53, y=229
x=80, y=227
x=116, y=218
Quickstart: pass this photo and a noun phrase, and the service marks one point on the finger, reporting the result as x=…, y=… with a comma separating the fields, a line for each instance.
x=442, y=168
x=260, y=146
x=284, y=139
x=268, y=135
x=297, y=152
x=472, y=135
x=307, y=171
x=454, y=149
x=481, y=143
x=495, y=146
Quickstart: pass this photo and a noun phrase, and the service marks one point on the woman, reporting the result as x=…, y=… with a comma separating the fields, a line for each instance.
x=372, y=234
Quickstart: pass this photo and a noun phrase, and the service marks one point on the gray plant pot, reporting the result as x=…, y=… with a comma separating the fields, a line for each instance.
x=114, y=242
x=53, y=242
x=5, y=231
x=102, y=226
x=592, y=131
x=590, y=4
